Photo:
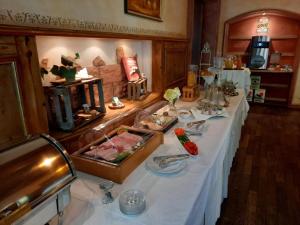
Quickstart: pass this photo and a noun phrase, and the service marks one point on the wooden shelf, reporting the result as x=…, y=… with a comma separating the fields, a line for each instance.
x=288, y=54
x=277, y=37
x=238, y=53
x=240, y=38
x=276, y=99
x=274, y=85
x=284, y=37
x=130, y=107
x=270, y=71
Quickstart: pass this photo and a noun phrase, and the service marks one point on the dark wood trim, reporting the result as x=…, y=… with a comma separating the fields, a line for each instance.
x=22, y=30
x=190, y=28
x=295, y=106
x=295, y=75
x=225, y=38
x=210, y=30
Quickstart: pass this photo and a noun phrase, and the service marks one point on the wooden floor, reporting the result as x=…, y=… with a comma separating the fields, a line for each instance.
x=264, y=185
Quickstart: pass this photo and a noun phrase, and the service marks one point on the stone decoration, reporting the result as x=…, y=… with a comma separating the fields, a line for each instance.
x=98, y=61
x=114, y=80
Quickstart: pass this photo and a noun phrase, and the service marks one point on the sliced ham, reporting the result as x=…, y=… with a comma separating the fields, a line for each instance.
x=110, y=149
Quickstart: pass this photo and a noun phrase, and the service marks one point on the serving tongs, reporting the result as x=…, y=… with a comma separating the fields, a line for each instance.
x=165, y=161
x=197, y=123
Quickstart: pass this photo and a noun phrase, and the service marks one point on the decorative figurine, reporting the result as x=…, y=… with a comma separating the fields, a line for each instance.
x=116, y=103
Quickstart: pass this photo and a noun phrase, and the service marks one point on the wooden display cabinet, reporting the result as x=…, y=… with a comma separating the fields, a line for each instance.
x=64, y=103
x=277, y=85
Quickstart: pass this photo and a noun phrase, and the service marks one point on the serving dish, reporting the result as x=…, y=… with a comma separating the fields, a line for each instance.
x=159, y=122
x=116, y=169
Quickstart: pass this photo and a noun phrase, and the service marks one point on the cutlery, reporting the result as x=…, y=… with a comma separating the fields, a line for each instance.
x=157, y=159
x=198, y=123
x=105, y=186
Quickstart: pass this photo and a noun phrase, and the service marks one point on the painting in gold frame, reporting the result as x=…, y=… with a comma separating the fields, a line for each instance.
x=144, y=8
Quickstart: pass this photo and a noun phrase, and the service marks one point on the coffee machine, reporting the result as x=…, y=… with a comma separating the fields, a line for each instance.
x=259, y=52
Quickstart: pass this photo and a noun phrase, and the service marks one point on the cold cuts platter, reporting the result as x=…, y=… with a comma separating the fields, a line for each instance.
x=118, y=146
x=118, y=153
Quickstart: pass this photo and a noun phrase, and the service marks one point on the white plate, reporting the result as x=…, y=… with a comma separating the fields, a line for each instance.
x=175, y=167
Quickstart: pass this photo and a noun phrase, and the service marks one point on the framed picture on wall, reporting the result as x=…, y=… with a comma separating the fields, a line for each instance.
x=145, y=8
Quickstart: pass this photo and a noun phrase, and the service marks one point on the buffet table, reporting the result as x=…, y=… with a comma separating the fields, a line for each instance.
x=192, y=196
x=241, y=77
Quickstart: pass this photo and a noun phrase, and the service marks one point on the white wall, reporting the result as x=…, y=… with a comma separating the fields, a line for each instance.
x=52, y=47
x=232, y=8
x=106, y=12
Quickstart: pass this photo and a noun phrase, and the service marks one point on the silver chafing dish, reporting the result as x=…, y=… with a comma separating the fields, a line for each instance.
x=35, y=180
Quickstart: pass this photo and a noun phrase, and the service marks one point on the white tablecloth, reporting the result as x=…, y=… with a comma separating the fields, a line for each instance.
x=190, y=197
x=241, y=77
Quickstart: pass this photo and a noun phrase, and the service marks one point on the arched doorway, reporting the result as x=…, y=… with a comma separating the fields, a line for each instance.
x=284, y=30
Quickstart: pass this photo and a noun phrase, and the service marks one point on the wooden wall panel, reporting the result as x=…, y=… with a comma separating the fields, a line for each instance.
x=169, y=65
x=12, y=126
x=31, y=86
x=175, y=64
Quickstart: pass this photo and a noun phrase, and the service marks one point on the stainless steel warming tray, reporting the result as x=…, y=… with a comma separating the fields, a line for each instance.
x=35, y=180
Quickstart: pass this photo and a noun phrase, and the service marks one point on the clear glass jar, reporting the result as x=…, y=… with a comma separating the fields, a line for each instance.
x=229, y=62
x=192, y=75
x=132, y=202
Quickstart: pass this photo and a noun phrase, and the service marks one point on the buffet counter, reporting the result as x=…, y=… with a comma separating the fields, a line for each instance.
x=192, y=196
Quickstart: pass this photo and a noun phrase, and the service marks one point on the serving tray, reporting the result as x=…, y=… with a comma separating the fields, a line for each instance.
x=117, y=172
